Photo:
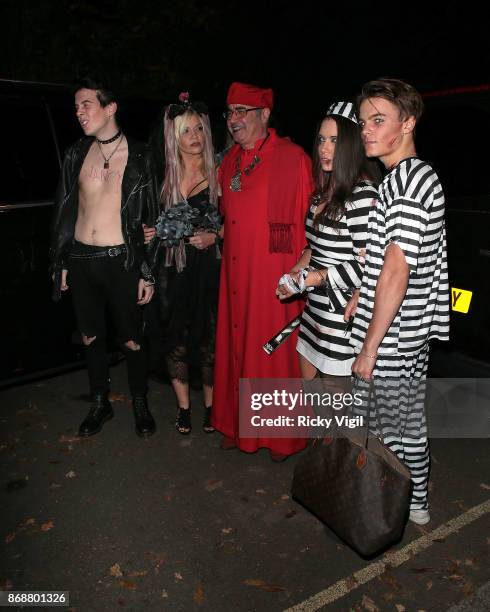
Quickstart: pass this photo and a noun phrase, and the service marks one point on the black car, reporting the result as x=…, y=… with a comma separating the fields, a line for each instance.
x=37, y=335
x=453, y=136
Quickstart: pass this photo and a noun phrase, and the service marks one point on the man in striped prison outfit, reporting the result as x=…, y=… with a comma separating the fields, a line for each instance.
x=404, y=298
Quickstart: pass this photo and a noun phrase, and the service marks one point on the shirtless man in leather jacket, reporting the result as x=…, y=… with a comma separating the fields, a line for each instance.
x=105, y=195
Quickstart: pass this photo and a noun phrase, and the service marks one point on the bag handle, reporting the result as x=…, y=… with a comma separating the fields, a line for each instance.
x=362, y=458
x=368, y=418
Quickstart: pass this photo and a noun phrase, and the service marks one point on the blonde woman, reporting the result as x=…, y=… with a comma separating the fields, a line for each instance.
x=189, y=276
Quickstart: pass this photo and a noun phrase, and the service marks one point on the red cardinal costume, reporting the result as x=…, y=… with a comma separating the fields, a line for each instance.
x=263, y=238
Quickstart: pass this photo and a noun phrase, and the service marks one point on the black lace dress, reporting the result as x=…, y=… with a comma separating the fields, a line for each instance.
x=188, y=303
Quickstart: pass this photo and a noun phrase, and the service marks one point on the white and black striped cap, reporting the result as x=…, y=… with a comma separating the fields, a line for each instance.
x=343, y=109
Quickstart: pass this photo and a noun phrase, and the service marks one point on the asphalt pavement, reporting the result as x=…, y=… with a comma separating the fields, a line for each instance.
x=175, y=523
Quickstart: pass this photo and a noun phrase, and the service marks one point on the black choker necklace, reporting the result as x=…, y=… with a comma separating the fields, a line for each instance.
x=236, y=179
x=113, y=139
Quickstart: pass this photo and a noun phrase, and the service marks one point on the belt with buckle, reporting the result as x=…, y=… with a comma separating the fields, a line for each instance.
x=109, y=252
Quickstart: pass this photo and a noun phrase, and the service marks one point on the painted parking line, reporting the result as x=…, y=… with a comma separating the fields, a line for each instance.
x=394, y=559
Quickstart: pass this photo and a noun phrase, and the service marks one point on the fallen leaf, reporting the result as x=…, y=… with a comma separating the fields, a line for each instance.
x=178, y=576
x=485, y=486
x=47, y=526
x=136, y=574
x=212, y=485
x=227, y=530
x=29, y=521
x=164, y=594
x=388, y=596
x=260, y=491
x=351, y=582
x=199, y=594
x=116, y=570
x=290, y=514
x=70, y=474
x=284, y=496
x=369, y=604
x=128, y=584
x=399, y=608
x=455, y=577
x=10, y=537
x=158, y=559
x=390, y=580
x=459, y=503
x=429, y=585
x=228, y=547
x=69, y=439
x=265, y=586
x=467, y=588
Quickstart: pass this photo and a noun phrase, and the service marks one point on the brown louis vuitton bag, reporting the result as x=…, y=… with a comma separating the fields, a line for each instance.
x=357, y=486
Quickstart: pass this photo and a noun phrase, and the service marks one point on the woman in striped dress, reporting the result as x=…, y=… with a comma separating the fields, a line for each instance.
x=331, y=265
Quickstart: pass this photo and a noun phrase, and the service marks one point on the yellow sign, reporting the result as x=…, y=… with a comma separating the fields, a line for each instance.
x=460, y=300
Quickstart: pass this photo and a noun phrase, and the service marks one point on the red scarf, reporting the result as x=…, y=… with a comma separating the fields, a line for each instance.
x=284, y=178
x=284, y=181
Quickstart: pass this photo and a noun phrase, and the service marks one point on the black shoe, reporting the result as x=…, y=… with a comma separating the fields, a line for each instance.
x=206, y=424
x=145, y=424
x=183, y=421
x=100, y=412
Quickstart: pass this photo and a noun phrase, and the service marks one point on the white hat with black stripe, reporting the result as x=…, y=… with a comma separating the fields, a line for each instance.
x=343, y=109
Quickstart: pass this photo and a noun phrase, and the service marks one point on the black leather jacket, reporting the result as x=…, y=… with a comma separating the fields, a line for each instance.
x=138, y=204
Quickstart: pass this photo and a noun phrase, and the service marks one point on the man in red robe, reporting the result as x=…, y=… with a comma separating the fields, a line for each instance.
x=266, y=183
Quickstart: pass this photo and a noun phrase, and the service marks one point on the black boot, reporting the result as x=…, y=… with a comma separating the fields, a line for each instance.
x=100, y=412
x=145, y=424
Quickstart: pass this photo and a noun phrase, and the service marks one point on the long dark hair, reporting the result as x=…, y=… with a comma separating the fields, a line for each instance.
x=350, y=165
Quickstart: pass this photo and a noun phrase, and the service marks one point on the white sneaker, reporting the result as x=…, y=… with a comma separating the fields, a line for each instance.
x=420, y=517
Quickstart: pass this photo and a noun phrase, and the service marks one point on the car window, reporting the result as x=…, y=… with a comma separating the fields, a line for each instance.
x=28, y=155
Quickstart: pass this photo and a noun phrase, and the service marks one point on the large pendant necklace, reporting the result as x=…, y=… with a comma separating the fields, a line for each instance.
x=106, y=159
x=236, y=179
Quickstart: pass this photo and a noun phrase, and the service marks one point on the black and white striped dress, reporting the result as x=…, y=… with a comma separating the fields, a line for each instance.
x=323, y=338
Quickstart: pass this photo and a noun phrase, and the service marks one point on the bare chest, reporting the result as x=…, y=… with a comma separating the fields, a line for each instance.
x=98, y=181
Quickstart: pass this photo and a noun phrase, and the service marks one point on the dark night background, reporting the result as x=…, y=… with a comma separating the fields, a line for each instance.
x=310, y=53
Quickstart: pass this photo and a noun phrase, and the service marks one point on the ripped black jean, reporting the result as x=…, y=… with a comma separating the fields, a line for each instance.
x=99, y=285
